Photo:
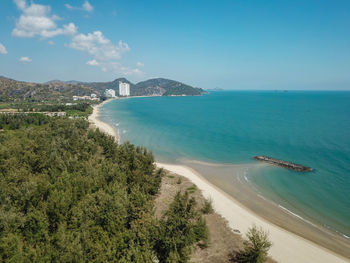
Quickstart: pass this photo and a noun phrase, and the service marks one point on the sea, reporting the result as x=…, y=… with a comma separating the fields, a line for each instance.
x=311, y=128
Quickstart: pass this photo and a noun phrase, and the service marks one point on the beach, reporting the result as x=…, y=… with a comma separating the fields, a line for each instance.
x=103, y=126
x=287, y=246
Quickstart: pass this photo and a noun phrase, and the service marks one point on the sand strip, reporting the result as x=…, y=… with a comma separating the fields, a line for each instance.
x=103, y=126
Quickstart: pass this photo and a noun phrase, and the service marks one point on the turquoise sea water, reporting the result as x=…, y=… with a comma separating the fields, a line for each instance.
x=310, y=128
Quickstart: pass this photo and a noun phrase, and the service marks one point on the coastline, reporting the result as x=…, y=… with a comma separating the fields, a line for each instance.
x=287, y=246
x=103, y=126
x=285, y=243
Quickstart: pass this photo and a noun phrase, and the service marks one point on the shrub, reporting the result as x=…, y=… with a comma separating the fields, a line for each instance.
x=256, y=248
x=180, y=228
x=208, y=206
x=192, y=189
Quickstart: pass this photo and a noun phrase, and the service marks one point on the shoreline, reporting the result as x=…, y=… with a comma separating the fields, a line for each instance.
x=103, y=126
x=249, y=196
x=287, y=246
x=285, y=243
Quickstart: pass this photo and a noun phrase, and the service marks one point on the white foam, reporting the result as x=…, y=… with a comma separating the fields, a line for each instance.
x=262, y=197
x=347, y=237
x=298, y=216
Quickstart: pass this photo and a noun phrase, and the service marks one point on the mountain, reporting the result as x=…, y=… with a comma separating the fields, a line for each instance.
x=61, y=81
x=12, y=90
x=165, y=87
x=151, y=87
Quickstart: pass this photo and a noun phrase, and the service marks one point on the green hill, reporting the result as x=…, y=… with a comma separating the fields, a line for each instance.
x=151, y=87
x=164, y=87
x=13, y=90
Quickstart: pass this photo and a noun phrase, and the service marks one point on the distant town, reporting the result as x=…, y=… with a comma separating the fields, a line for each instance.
x=124, y=91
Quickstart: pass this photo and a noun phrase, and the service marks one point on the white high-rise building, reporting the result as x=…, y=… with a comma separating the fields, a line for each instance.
x=110, y=93
x=124, y=89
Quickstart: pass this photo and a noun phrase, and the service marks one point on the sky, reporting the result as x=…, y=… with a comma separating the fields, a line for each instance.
x=233, y=44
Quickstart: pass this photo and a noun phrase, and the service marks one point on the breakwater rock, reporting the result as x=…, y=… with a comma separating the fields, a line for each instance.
x=284, y=164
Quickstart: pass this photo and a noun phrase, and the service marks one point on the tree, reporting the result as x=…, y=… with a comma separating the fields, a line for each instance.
x=70, y=194
x=180, y=228
x=255, y=248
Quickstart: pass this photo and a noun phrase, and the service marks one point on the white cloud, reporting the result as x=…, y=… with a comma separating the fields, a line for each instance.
x=100, y=47
x=21, y=4
x=25, y=59
x=85, y=7
x=92, y=62
x=105, y=54
x=2, y=49
x=139, y=64
x=68, y=6
x=36, y=20
x=129, y=71
x=117, y=68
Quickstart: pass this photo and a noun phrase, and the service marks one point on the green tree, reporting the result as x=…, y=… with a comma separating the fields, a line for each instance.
x=181, y=227
x=255, y=248
x=70, y=194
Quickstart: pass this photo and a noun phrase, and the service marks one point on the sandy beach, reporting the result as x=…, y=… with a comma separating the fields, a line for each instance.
x=287, y=246
x=95, y=121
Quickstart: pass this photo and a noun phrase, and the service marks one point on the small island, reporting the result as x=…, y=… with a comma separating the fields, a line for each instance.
x=284, y=164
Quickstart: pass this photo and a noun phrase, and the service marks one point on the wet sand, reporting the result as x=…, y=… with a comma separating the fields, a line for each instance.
x=287, y=246
x=240, y=188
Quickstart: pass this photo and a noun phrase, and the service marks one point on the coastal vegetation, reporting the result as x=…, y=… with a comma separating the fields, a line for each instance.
x=222, y=244
x=208, y=206
x=255, y=248
x=14, y=122
x=70, y=193
x=180, y=228
x=76, y=109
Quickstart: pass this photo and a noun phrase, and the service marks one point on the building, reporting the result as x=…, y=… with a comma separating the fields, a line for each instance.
x=86, y=97
x=124, y=89
x=47, y=113
x=110, y=93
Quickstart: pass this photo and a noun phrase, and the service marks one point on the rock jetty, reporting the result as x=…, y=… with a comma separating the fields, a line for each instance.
x=284, y=164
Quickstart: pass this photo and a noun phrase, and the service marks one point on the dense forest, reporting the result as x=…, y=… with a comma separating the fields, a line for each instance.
x=72, y=194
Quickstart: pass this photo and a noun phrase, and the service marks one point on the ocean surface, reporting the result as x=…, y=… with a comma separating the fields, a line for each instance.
x=231, y=127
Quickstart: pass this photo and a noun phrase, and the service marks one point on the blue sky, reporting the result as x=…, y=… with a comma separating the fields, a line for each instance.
x=234, y=44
